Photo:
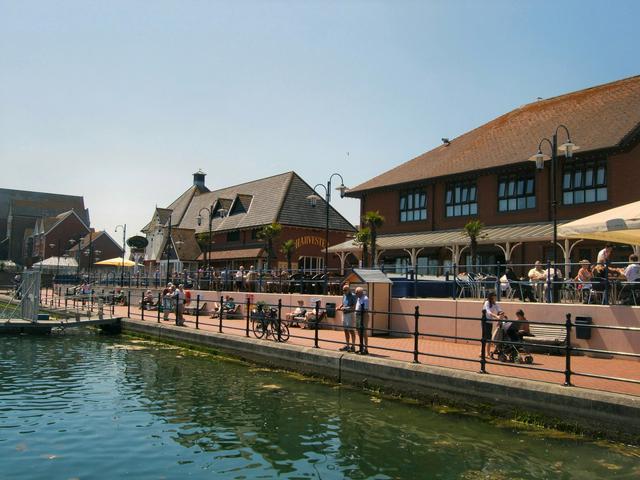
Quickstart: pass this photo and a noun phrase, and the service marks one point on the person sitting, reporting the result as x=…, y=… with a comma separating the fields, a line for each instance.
x=228, y=304
x=632, y=272
x=147, y=300
x=537, y=277
x=298, y=313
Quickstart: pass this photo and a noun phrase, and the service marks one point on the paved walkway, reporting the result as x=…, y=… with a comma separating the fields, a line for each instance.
x=467, y=354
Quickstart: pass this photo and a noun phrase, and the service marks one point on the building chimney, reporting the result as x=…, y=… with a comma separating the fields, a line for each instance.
x=198, y=179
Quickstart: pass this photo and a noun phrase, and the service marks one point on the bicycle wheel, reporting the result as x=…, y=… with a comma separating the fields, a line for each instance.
x=258, y=327
x=284, y=332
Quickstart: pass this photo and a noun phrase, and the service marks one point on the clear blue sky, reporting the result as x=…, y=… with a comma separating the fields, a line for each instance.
x=120, y=101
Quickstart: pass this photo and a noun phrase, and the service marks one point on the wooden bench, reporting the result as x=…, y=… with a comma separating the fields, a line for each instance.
x=192, y=310
x=554, y=335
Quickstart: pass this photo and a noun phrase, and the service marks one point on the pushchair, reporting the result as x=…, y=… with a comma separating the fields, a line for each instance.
x=508, y=352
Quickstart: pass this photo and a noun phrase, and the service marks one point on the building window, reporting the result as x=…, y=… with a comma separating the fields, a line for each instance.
x=254, y=233
x=233, y=236
x=461, y=199
x=413, y=205
x=311, y=264
x=516, y=192
x=584, y=182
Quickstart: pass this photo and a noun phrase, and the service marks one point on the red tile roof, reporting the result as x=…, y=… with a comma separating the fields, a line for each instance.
x=600, y=117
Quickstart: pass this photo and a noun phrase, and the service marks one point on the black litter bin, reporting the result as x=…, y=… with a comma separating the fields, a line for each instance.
x=583, y=329
x=331, y=309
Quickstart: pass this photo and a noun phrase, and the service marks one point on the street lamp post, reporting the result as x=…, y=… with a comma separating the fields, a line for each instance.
x=124, y=245
x=313, y=199
x=567, y=149
x=209, y=211
x=168, y=250
x=52, y=245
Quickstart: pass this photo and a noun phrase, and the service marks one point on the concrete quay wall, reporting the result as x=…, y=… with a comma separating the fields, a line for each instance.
x=615, y=416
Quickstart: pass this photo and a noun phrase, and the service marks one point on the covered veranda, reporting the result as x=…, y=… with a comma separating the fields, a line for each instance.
x=505, y=238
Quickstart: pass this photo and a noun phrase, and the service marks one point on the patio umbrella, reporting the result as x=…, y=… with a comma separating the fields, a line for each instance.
x=618, y=225
x=116, y=262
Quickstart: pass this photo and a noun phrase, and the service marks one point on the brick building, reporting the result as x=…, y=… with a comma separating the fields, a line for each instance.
x=238, y=214
x=486, y=174
x=19, y=212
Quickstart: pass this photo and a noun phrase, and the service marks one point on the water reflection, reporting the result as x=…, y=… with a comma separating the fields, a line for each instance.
x=87, y=406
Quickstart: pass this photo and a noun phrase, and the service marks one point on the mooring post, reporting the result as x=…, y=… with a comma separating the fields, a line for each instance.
x=159, y=300
x=129, y=303
x=142, y=306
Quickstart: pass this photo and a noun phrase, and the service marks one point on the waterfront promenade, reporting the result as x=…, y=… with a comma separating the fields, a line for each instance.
x=400, y=348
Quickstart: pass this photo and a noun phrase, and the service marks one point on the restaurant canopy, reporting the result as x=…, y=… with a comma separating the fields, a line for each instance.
x=618, y=225
x=116, y=262
x=55, y=262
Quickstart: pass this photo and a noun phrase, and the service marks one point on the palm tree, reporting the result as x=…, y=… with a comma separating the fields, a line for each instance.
x=373, y=220
x=473, y=230
x=363, y=237
x=267, y=235
x=287, y=249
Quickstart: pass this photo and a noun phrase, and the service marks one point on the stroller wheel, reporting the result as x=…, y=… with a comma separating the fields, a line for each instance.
x=502, y=357
x=528, y=359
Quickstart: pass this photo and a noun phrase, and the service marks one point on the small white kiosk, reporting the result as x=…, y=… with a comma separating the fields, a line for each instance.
x=378, y=289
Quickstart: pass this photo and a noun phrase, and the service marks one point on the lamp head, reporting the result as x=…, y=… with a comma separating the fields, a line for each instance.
x=313, y=199
x=539, y=158
x=342, y=189
x=199, y=220
x=568, y=148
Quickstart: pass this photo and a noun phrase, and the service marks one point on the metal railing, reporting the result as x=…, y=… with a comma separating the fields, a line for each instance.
x=242, y=324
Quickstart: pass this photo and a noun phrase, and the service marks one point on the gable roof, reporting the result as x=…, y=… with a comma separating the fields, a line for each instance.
x=601, y=117
x=279, y=198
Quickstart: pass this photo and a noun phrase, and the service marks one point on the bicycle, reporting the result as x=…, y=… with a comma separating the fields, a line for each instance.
x=267, y=324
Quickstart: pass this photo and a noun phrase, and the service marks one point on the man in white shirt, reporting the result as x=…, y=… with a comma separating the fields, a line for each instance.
x=362, y=317
x=632, y=272
x=604, y=255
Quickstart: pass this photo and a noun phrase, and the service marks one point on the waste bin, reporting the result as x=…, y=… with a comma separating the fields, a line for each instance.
x=331, y=309
x=583, y=329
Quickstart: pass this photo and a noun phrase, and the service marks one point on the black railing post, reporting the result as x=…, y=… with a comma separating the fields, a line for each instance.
x=416, y=334
x=498, y=284
x=605, y=297
x=567, y=353
x=142, y=306
x=197, y=311
x=483, y=343
x=159, y=303
x=279, y=320
x=221, y=314
x=65, y=303
x=129, y=303
x=315, y=333
x=361, y=313
x=248, y=316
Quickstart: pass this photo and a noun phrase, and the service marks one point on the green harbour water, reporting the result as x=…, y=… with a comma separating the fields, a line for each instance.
x=81, y=405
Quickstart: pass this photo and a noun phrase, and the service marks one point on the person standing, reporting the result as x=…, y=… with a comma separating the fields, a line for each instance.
x=180, y=297
x=348, y=321
x=167, y=295
x=362, y=316
x=632, y=272
x=604, y=255
x=494, y=314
